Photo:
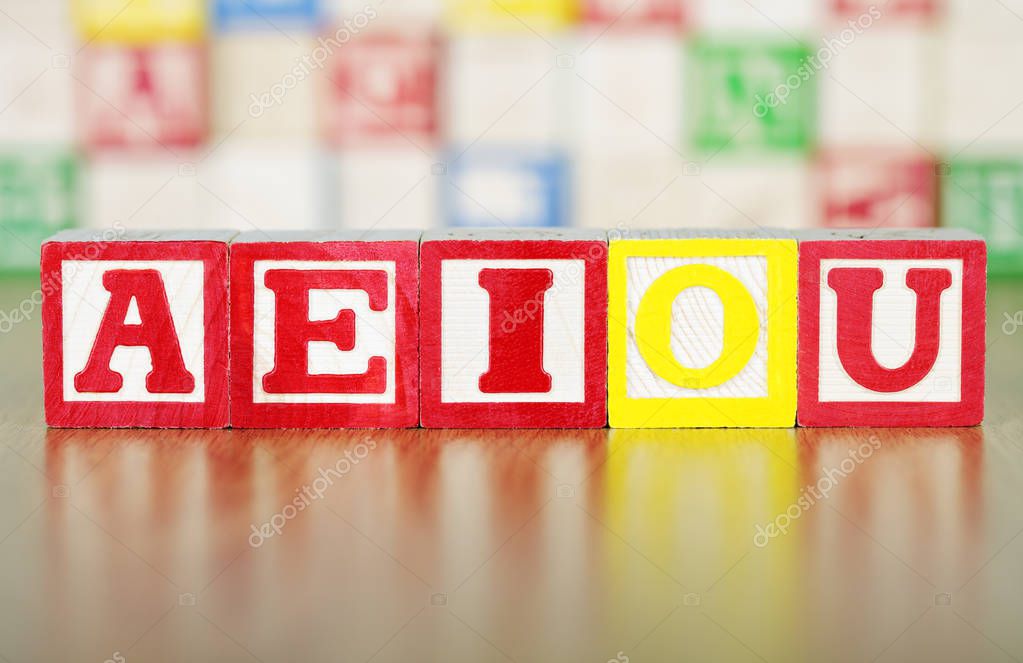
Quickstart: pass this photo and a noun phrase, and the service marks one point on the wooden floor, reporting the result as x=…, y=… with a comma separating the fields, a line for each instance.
x=559, y=546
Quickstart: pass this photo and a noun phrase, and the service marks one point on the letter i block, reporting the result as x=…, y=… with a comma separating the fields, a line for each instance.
x=891, y=328
x=514, y=329
x=135, y=330
x=702, y=331
x=325, y=330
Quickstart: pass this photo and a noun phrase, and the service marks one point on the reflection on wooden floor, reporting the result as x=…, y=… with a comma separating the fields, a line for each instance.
x=477, y=546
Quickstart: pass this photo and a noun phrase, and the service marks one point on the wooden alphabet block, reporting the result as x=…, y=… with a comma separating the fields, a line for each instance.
x=135, y=330
x=266, y=14
x=701, y=330
x=985, y=194
x=878, y=188
x=629, y=13
x=514, y=15
x=382, y=88
x=153, y=96
x=891, y=328
x=513, y=328
x=325, y=332
x=39, y=192
x=139, y=21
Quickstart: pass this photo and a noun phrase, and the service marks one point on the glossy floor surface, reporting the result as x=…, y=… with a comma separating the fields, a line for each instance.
x=727, y=545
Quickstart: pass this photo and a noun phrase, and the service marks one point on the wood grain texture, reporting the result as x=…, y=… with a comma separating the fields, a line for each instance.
x=354, y=362
x=892, y=329
x=106, y=360
x=701, y=331
x=549, y=334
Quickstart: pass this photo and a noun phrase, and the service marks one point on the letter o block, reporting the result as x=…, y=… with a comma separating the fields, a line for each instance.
x=135, y=331
x=324, y=330
x=514, y=329
x=701, y=331
x=891, y=328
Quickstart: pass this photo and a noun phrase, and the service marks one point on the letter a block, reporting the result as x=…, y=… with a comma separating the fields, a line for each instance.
x=324, y=330
x=891, y=328
x=135, y=330
x=702, y=331
x=514, y=329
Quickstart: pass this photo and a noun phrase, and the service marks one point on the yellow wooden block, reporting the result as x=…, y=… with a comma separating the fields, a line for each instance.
x=702, y=331
x=139, y=21
x=511, y=15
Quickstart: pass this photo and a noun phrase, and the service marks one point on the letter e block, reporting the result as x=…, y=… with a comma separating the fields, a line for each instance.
x=702, y=331
x=514, y=329
x=325, y=330
x=891, y=328
x=135, y=330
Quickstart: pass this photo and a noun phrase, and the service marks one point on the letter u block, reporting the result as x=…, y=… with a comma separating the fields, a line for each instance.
x=702, y=331
x=514, y=329
x=891, y=328
x=324, y=330
x=135, y=330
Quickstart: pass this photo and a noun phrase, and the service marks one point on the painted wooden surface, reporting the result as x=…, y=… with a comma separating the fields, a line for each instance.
x=325, y=330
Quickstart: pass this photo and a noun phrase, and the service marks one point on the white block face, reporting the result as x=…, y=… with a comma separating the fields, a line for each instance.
x=85, y=302
x=894, y=335
x=374, y=331
x=758, y=15
x=697, y=328
x=465, y=331
x=385, y=189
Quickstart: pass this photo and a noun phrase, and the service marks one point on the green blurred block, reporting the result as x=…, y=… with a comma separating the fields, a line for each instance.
x=38, y=196
x=986, y=196
x=750, y=95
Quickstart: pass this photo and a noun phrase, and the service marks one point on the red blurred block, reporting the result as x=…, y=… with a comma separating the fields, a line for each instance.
x=143, y=96
x=383, y=87
x=513, y=329
x=878, y=189
x=135, y=330
x=325, y=332
x=635, y=12
x=891, y=328
x=851, y=9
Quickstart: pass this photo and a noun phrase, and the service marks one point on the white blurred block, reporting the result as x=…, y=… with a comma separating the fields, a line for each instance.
x=149, y=192
x=875, y=89
x=505, y=88
x=46, y=22
x=631, y=190
x=264, y=185
x=396, y=11
x=385, y=189
x=36, y=89
x=762, y=16
x=629, y=93
x=986, y=18
x=263, y=86
x=650, y=192
x=982, y=104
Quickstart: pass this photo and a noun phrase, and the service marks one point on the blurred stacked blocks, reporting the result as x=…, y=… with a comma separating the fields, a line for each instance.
x=618, y=114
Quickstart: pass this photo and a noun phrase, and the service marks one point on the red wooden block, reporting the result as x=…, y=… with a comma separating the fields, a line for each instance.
x=325, y=331
x=514, y=329
x=878, y=189
x=135, y=330
x=912, y=9
x=143, y=96
x=635, y=12
x=891, y=328
x=383, y=87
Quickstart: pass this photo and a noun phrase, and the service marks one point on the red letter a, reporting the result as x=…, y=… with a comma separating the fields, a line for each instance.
x=855, y=288
x=516, y=330
x=154, y=331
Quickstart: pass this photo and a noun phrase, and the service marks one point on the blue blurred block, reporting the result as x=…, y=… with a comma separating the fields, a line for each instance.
x=513, y=188
x=265, y=14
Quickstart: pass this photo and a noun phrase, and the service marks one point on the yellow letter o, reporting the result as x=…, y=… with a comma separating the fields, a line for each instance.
x=653, y=326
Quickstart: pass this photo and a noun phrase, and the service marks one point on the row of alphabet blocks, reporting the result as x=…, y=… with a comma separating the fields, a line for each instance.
x=505, y=329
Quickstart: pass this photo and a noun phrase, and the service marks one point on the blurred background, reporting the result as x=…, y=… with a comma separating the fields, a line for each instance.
x=274, y=114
